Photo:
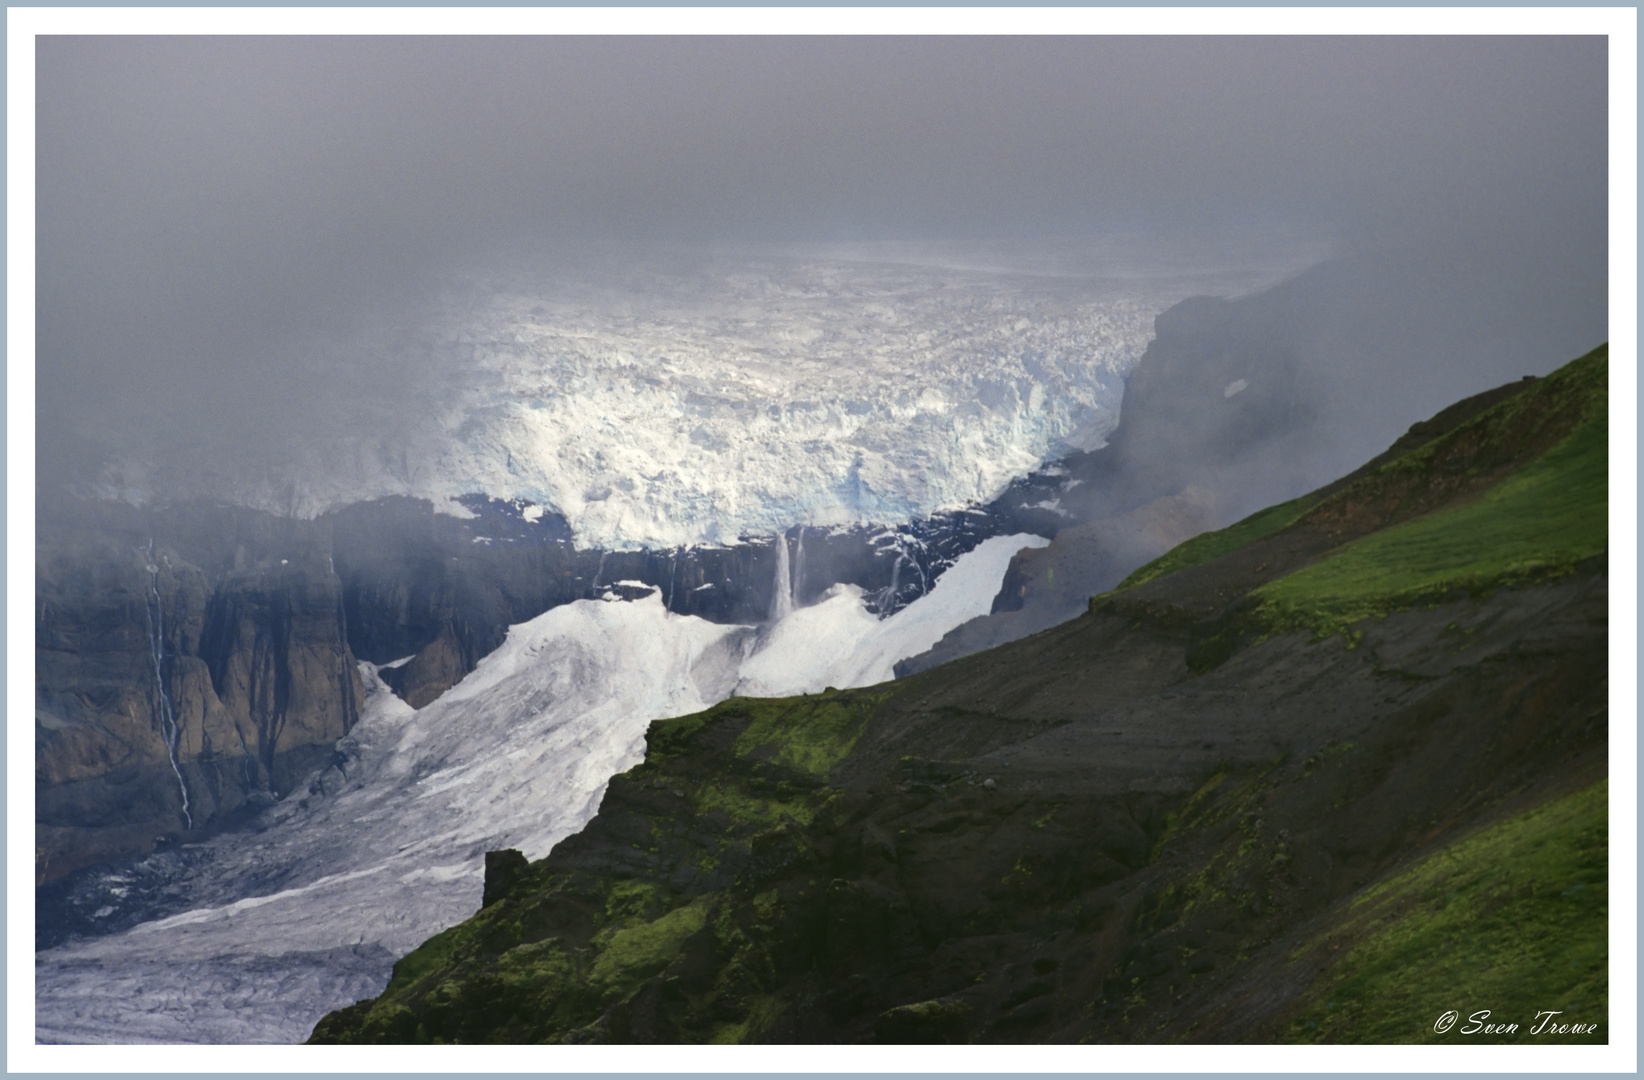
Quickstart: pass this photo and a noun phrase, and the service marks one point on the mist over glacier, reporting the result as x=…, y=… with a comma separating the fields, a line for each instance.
x=242, y=242
x=660, y=403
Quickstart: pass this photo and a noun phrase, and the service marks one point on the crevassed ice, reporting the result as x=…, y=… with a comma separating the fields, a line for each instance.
x=309, y=914
x=737, y=399
x=811, y=396
x=658, y=400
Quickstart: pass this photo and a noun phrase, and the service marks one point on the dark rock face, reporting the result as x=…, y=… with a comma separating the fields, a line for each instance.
x=503, y=870
x=434, y=669
x=169, y=693
x=275, y=644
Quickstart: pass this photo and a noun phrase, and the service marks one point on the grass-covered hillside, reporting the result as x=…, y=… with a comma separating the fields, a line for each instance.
x=1514, y=495
x=1320, y=776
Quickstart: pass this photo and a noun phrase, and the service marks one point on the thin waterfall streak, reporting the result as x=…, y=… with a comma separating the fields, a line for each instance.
x=170, y=731
x=593, y=590
x=782, y=585
x=887, y=598
x=798, y=591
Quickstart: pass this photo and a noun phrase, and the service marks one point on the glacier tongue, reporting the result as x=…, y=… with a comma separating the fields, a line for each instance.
x=383, y=851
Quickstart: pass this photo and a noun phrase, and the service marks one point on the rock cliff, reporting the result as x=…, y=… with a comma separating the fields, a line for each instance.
x=171, y=696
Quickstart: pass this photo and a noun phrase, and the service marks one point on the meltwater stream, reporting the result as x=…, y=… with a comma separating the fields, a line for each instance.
x=169, y=728
x=307, y=912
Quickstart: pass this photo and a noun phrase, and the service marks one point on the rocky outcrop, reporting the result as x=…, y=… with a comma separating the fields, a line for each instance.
x=431, y=671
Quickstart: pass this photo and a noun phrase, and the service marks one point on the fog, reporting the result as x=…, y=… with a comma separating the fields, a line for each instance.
x=230, y=231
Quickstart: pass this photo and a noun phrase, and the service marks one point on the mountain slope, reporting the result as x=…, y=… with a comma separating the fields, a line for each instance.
x=1228, y=803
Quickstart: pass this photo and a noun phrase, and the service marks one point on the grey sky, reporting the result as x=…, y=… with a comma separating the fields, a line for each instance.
x=205, y=202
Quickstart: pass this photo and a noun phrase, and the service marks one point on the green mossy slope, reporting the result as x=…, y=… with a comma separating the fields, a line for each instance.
x=1549, y=436
x=1513, y=494
x=1513, y=920
x=1211, y=545
x=1539, y=523
x=548, y=962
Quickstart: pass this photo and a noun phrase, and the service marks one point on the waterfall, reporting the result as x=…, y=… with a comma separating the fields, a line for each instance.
x=593, y=590
x=798, y=591
x=782, y=586
x=170, y=730
x=887, y=596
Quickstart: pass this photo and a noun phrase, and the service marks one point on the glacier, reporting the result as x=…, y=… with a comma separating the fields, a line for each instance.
x=667, y=404
x=306, y=912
